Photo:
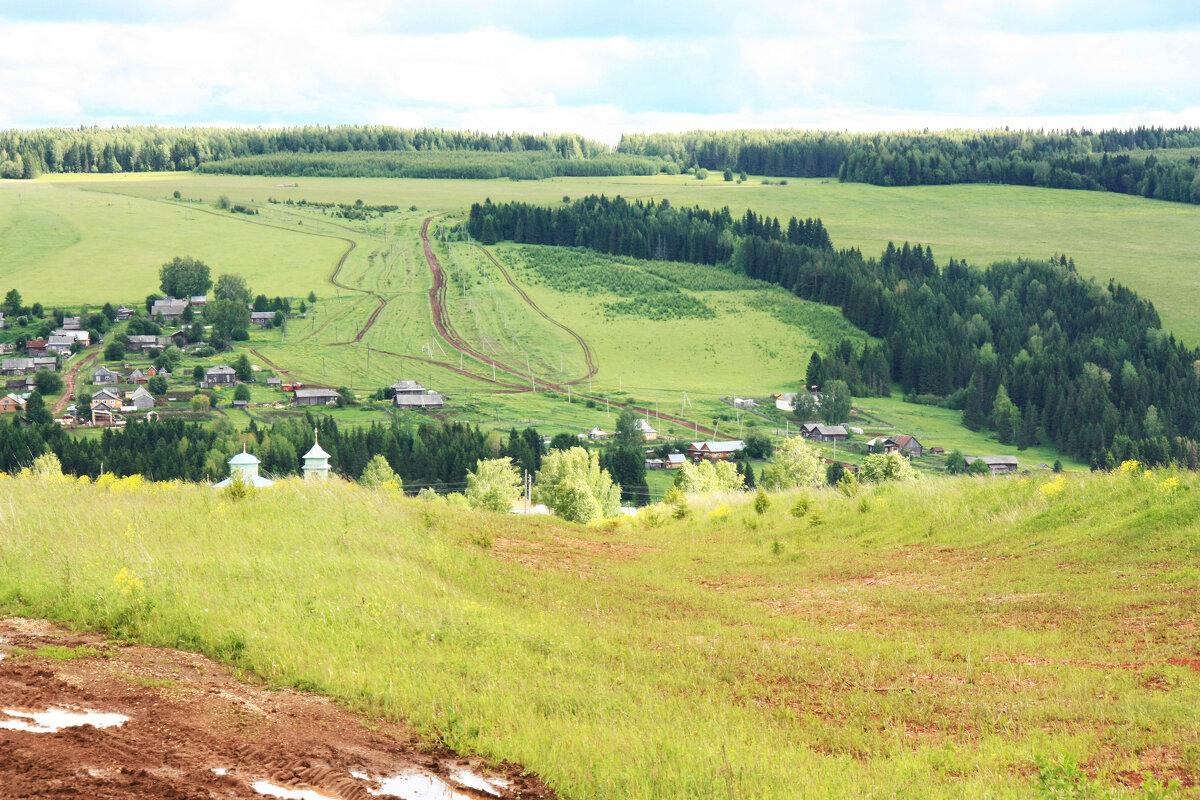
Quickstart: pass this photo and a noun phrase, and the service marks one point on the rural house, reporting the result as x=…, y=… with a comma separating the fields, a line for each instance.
x=25, y=366
x=999, y=465
x=825, y=433
x=170, y=308
x=137, y=376
x=274, y=383
x=597, y=434
x=141, y=399
x=124, y=313
x=882, y=445
x=910, y=446
x=648, y=433
x=36, y=347
x=410, y=394
x=715, y=451
x=198, y=300
x=141, y=343
x=675, y=460
x=72, y=323
x=60, y=345
x=107, y=398
x=220, y=375
x=12, y=403
x=103, y=376
x=263, y=319
x=314, y=397
x=79, y=336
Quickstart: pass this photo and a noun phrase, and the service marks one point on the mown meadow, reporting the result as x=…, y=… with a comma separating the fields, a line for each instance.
x=966, y=637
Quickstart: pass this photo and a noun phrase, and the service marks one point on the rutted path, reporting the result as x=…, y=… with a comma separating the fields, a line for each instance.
x=69, y=380
x=587, y=351
x=437, y=304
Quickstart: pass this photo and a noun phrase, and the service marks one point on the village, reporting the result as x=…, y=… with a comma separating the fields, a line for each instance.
x=121, y=364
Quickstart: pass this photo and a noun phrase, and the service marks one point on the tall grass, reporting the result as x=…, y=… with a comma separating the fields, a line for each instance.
x=939, y=640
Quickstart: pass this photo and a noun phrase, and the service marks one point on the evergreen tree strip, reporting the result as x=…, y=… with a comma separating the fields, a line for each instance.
x=1088, y=366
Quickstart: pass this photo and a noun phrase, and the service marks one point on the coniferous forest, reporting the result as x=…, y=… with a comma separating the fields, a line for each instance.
x=1112, y=160
x=1029, y=348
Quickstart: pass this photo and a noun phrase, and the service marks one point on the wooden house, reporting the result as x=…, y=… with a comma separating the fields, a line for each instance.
x=141, y=399
x=220, y=375
x=170, y=308
x=715, y=451
x=648, y=433
x=103, y=376
x=411, y=394
x=825, y=433
x=263, y=319
x=999, y=465
x=314, y=397
x=909, y=446
x=107, y=398
x=11, y=403
x=36, y=347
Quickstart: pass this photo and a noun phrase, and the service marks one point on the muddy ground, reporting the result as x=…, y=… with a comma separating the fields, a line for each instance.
x=194, y=731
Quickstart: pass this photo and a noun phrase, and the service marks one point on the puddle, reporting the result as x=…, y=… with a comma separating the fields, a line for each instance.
x=362, y=776
x=271, y=790
x=416, y=787
x=220, y=771
x=55, y=719
x=477, y=782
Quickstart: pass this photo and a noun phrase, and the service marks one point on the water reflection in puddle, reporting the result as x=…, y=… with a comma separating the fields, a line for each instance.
x=271, y=790
x=55, y=719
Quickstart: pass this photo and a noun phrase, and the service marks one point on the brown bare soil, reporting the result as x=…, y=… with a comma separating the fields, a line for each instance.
x=195, y=731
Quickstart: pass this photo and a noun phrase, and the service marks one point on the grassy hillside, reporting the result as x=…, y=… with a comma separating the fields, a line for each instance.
x=1146, y=244
x=951, y=638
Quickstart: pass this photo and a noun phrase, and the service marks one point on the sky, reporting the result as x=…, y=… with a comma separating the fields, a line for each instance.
x=601, y=69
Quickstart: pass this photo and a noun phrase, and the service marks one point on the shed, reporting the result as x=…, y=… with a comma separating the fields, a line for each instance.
x=314, y=397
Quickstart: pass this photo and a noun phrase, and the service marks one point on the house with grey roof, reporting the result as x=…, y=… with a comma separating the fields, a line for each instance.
x=314, y=397
x=411, y=394
x=715, y=451
x=220, y=375
x=60, y=345
x=141, y=399
x=263, y=319
x=170, y=308
x=999, y=465
x=103, y=376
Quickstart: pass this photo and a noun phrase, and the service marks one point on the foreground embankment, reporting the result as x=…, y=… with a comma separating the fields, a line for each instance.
x=950, y=638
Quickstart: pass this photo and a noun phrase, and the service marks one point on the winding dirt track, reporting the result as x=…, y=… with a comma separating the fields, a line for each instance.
x=583, y=345
x=437, y=304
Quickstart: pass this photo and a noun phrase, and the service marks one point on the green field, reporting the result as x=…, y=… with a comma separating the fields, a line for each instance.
x=946, y=639
x=1145, y=244
x=693, y=330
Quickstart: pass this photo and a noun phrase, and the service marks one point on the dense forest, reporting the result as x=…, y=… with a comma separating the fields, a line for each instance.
x=1127, y=161
x=519, y=165
x=1029, y=348
x=28, y=154
x=432, y=455
x=1112, y=160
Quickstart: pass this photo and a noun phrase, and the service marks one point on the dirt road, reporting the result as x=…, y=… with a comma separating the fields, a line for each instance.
x=177, y=725
x=70, y=378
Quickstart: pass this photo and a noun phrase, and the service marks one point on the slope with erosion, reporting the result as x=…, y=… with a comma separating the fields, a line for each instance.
x=954, y=637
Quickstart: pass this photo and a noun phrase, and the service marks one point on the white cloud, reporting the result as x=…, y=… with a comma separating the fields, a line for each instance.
x=865, y=65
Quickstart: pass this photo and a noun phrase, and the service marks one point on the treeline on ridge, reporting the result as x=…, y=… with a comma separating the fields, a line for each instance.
x=1113, y=160
x=1030, y=348
x=27, y=154
x=447, y=164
